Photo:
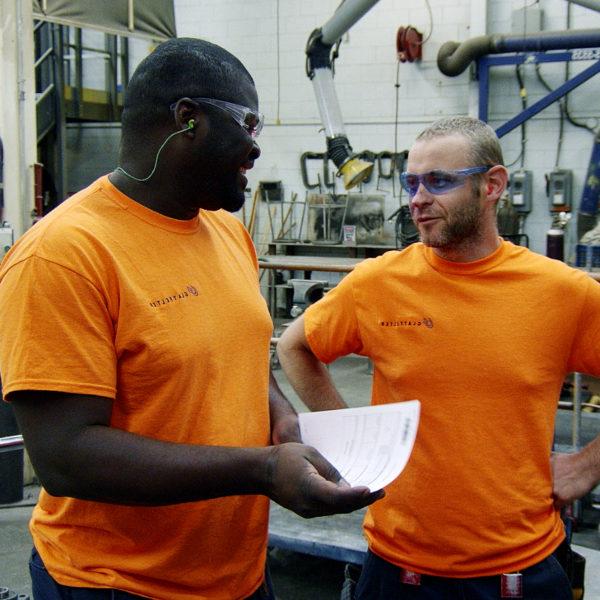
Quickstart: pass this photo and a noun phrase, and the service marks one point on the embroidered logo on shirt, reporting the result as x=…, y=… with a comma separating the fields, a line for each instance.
x=190, y=290
x=408, y=322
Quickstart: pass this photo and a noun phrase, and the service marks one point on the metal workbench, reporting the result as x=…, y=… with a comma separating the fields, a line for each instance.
x=338, y=537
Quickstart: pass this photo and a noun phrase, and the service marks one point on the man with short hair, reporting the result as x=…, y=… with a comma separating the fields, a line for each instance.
x=483, y=333
x=134, y=348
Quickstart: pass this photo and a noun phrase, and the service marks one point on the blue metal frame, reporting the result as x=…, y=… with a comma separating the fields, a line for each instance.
x=486, y=62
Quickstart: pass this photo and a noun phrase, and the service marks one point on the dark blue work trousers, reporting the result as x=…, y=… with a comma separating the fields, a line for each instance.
x=381, y=580
x=45, y=588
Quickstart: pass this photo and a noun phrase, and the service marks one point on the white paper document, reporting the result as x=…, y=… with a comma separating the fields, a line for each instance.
x=369, y=445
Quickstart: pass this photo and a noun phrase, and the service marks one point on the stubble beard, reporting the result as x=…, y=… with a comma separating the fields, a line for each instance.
x=462, y=229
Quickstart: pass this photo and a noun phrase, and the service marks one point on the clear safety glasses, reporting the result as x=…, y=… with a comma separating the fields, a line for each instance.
x=252, y=121
x=438, y=182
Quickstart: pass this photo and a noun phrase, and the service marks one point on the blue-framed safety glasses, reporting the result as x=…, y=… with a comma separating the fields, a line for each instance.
x=438, y=182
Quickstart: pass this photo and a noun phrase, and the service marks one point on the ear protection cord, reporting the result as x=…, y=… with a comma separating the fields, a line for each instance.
x=190, y=126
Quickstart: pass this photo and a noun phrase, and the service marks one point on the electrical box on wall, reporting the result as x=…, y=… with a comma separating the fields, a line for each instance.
x=7, y=238
x=520, y=189
x=559, y=189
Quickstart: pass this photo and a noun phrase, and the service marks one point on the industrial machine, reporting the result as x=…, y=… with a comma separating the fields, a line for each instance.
x=304, y=293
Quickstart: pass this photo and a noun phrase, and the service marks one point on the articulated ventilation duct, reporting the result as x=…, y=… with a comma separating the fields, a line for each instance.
x=454, y=58
x=591, y=4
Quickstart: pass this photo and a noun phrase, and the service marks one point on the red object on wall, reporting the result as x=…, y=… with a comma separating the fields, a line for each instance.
x=409, y=43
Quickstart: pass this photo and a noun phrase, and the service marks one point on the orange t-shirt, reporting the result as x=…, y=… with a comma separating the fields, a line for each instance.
x=485, y=347
x=104, y=296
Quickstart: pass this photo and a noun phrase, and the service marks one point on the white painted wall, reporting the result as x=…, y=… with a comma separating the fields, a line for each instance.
x=366, y=74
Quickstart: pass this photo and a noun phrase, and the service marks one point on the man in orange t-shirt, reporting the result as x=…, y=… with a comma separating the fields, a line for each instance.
x=134, y=347
x=483, y=333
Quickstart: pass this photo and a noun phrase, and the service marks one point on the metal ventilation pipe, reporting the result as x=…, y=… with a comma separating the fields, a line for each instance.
x=592, y=4
x=454, y=58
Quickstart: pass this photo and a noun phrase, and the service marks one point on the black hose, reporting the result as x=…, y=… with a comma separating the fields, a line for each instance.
x=406, y=231
x=523, y=95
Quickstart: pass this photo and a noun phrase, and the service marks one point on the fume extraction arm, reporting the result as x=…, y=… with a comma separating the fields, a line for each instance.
x=321, y=50
x=454, y=58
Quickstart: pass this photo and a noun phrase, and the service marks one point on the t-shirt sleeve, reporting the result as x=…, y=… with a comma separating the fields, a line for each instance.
x=330, y=324
x=56, y=332
x=585, y=351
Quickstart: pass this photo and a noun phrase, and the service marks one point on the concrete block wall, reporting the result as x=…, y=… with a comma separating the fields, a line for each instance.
x=269, y=36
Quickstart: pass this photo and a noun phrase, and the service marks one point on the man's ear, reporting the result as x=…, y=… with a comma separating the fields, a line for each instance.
x=186, y=116
x=496, y=181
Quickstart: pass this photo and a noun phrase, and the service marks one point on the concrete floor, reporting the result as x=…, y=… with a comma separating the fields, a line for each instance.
x=297, y=576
